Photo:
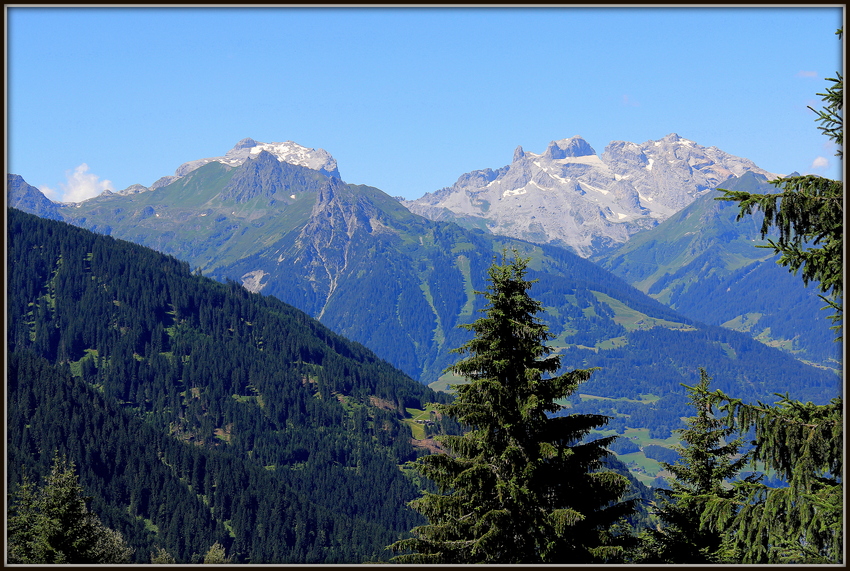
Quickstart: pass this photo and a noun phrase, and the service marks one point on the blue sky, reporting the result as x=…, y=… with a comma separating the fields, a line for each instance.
x=406, y=99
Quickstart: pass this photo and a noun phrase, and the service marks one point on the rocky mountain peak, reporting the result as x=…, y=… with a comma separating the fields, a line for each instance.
x=24, y=196
x=572, y=147
x=341, y=219
x=285, y=152
x=245, y=143
x=264, y=174
x=133, y=189
x=518, y=153
x=293, y=153
x=570, y=196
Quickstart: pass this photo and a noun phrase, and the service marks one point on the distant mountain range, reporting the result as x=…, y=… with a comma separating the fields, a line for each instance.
x=400, y=283
x=572, y=197
x=609, y=200
x=705, y=264
x=277, y=219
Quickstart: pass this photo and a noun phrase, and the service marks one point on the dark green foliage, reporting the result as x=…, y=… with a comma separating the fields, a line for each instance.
x=665, y=359
x=51, y=523
x=518, y=486
x=623, y=446
x=801, y=522
x=162, y=557
x=639, y=495
x=291, y=435
x=705, y=463
x=216, y=555
x=661, y=453
x=136, y=486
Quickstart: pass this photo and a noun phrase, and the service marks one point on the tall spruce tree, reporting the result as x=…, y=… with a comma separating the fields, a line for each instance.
x=707, y=459
x=518, y=486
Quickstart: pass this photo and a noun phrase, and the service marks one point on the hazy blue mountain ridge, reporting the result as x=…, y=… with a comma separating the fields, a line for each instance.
x=29, y=199
x=400, y=284
x=704, y=263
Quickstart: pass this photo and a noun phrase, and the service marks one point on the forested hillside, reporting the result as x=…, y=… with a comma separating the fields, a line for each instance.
x=251, y=398
x=372, y=271
x=200, y=412
x=400, y=284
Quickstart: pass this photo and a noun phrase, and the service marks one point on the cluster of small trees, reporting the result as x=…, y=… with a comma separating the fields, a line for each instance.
x=51, y=523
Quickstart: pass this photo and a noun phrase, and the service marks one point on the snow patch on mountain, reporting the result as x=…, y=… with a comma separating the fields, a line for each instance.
x=570, y=196
x=287, y=151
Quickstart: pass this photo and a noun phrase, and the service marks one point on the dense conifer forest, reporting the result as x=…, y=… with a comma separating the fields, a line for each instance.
x=199, y=412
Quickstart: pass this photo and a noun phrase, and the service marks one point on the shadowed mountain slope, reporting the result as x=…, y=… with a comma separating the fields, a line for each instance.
x=705, y=264
x=400, y=284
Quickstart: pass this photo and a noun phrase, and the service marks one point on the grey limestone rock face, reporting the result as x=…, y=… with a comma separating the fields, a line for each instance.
x=163, y=181
x=624, y=155
x=133, y=189
x=287, y=152
x=245, y=143
x=573, y=147
x=569, y=195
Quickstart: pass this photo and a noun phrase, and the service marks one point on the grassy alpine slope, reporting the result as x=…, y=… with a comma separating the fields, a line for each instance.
x=703, y=263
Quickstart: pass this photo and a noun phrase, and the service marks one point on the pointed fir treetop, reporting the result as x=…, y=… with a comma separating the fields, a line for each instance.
x=518, y=486
x=708, y=460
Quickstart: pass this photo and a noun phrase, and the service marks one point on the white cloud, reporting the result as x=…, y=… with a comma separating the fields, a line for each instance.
x=49, y=192
x=629, y=102
x=819, y=163
x=81, y=185
x=803, y=73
